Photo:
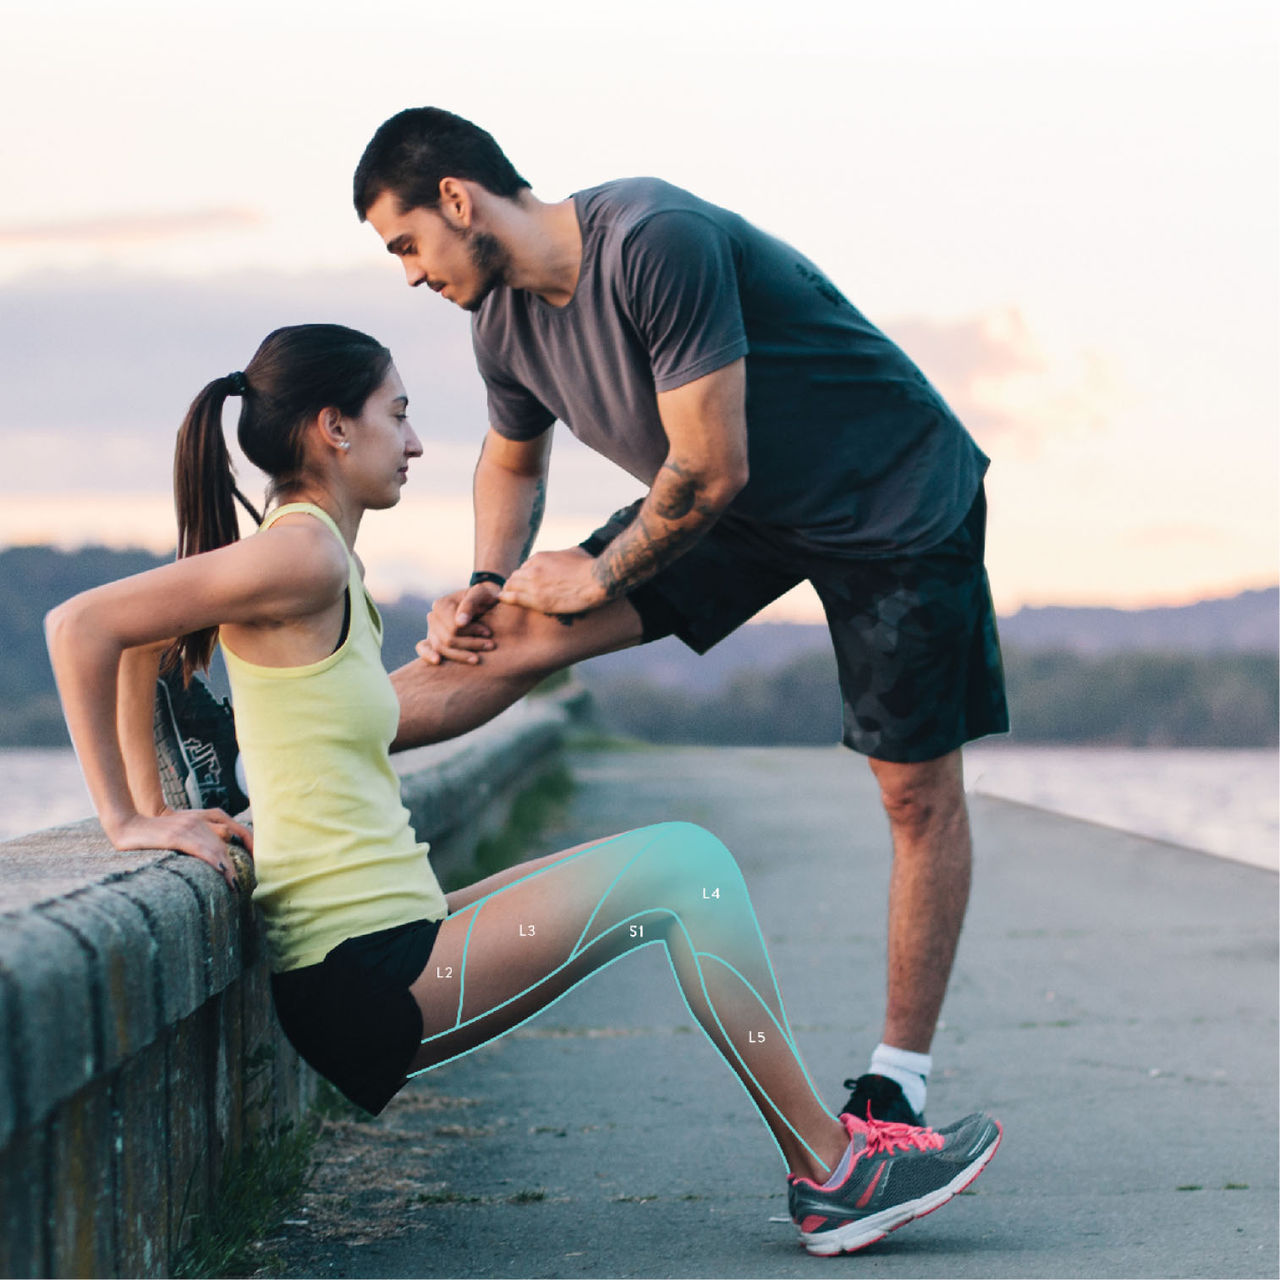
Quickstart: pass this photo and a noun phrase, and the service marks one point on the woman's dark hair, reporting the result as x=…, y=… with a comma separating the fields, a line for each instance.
x=415, y=150
x=296, y=372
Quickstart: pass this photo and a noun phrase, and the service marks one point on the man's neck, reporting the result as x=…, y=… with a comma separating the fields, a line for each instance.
x=543, y=244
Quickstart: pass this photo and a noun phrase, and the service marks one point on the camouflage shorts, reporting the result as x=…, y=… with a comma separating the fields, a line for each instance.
x=914, y=636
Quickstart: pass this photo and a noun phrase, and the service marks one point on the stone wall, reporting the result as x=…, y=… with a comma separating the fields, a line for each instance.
x=138, y=1049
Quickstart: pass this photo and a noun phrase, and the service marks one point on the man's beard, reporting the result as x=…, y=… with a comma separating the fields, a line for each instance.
x=490, y=261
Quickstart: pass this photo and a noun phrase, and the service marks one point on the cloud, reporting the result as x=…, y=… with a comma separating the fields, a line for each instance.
x=130, y=228
x=959, y=353
x=91, y=358
x=99, y=366
x=99, y=370
x=1002, y=383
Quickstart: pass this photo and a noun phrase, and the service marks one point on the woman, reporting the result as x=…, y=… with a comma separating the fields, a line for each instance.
x=377, y=976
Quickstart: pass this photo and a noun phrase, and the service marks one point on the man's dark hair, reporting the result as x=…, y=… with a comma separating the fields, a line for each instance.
x=413, y=151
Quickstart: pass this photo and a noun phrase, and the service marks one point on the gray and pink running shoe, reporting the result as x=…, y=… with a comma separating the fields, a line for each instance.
x=899, y=1172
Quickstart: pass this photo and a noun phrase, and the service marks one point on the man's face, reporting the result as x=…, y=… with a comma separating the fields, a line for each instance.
x=460, y=263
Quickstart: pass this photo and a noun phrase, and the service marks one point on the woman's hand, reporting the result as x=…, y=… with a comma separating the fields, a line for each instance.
x=454, y=630
x=202, y=833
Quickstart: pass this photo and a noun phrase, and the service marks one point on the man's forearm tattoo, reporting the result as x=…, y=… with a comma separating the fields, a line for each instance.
x=535, y=516
x=642, y=550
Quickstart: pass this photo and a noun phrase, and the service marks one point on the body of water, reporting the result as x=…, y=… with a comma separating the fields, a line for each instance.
x=40, y=787
x=1224, y=802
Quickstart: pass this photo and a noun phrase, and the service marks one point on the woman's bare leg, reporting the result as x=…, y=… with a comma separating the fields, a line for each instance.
x=440, y=702
x=518, y=941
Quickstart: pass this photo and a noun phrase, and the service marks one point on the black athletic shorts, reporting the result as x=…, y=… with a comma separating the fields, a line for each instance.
x=351, y=1016
x=915, y=636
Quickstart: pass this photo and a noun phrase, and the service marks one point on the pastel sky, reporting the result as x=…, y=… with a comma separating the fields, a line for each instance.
x=1066, y=214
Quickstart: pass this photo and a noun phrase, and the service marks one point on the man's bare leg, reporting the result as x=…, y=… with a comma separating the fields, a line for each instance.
x=928, y=890
x=440, y=702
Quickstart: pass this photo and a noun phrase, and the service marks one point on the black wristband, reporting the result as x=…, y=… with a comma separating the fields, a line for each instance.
x=483, y=575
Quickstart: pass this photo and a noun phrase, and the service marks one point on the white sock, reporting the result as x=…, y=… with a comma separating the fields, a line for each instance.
x=842, y=1169
x=909, y=1070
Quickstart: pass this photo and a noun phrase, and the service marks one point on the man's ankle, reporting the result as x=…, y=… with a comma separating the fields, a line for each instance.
x=908, y=1070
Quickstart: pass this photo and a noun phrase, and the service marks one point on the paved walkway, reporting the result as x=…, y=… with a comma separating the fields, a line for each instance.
x=1114, y=1003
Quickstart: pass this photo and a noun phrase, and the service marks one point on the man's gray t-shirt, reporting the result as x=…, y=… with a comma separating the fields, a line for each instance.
x=851, y=451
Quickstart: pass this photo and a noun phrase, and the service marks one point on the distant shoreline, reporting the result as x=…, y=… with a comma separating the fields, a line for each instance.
x=1219, y=802
x=1199, y=675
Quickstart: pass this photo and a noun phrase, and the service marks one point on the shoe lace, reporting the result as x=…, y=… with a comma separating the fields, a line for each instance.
x=887, y=1136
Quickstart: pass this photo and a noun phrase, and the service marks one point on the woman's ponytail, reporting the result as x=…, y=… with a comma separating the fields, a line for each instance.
x=204, y=495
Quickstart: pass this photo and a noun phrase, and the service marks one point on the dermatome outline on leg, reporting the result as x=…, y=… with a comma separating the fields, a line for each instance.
x=675, y=861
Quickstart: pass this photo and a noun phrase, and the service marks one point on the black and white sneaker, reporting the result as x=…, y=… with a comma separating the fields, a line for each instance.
x=898, y=1173
x=879, y=1098
x=196, y=746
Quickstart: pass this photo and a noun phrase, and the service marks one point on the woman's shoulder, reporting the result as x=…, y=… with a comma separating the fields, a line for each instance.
x=298, y=545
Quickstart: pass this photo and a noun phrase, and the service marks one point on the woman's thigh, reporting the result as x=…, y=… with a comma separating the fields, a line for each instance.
x=465, y=896
x=517, y=941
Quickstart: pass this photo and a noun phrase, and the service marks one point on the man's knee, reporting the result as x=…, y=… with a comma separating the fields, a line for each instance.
x=922, y=797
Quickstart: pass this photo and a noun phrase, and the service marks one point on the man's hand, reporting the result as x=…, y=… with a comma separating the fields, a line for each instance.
x=556, y=582
x=454, y=631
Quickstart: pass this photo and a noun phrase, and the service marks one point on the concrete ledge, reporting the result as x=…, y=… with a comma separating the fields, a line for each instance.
x=460, y=791
x=138, y=1049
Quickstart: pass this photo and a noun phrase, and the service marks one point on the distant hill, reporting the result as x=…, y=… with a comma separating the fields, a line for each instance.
x=1244, y=623
x=1134, y=699
x=34, y=579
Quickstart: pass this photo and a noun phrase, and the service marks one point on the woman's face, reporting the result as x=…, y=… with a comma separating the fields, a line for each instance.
x=382, y=443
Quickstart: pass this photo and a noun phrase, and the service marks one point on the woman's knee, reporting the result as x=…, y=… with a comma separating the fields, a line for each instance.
x=538, y=644
x=526, y=643
x=677, y=855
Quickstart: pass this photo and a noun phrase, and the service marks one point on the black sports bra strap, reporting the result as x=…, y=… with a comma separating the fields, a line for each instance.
x=346, y=619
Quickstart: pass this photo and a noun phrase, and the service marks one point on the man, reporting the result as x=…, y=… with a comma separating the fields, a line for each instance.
x=783, y=438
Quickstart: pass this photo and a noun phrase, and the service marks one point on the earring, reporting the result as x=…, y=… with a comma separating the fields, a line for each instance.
x=346, y=444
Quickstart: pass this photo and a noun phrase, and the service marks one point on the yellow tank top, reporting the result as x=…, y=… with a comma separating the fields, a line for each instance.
x=334, y=853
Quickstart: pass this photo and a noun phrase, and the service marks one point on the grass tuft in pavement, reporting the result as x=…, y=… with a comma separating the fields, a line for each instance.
x=257, y=1190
